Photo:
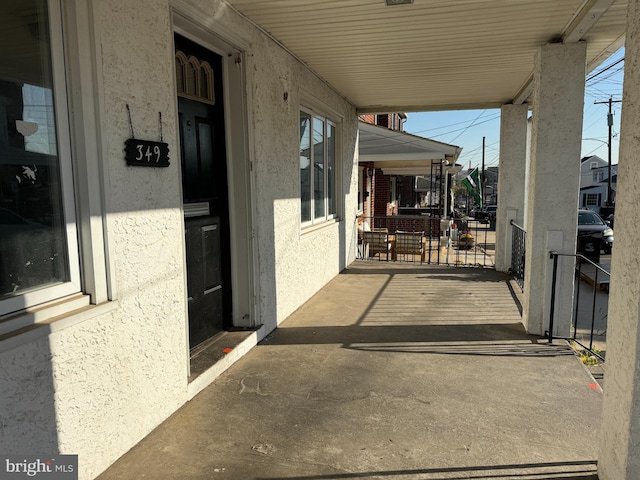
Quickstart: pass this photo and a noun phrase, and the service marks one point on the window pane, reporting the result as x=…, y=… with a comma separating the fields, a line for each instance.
x=318, y=167
x=331, y=168
x=305, y=167
x=179, y=76
x=190, y=78
x=32, y=226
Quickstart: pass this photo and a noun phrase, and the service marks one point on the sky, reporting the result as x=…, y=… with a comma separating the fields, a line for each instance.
x=465, y=128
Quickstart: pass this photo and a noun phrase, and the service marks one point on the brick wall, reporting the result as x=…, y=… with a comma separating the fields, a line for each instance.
x=381, y=189
x=430, y=226
x=369, y=118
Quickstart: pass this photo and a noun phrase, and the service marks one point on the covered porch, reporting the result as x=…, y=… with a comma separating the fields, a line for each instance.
x=530, y=60
x=391, y=371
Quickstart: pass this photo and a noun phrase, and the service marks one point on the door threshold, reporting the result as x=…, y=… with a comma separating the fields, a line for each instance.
x=207, y=354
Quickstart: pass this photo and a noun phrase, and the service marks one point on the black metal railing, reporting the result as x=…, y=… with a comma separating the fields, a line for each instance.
x=591, y=304
x=518, y=243
x=425, y=239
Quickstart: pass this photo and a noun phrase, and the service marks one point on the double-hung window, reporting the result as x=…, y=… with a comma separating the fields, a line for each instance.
x=598, y=176
x=318, y=166
x=592, y=199
x=38, y=243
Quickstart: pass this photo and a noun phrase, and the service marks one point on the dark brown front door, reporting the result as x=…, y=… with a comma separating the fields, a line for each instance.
x=204, y=182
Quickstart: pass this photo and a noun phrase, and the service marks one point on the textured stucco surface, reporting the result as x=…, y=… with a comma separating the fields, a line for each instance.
x=553, y=182
x=619, y=457
x=512, y=177
x=27, y=411
x=97, y=387
x=293, y=265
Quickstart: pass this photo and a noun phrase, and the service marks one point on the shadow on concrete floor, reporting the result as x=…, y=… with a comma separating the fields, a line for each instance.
x=423, y=376
x=579, y=470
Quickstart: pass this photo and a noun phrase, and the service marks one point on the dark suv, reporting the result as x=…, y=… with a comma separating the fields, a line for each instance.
x=593, y=234
x=487, y=214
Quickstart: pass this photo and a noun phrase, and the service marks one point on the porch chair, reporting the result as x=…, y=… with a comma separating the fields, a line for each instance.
x=376, y=242
x=410, y=243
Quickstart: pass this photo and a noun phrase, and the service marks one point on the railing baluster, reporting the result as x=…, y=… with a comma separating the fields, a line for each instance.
x=554, y=255
x=518, y=243
x=598, y=270
x=453, y=252
x=593, y=309
x=575, y=316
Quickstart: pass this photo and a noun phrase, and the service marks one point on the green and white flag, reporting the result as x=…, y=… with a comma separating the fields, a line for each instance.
x=472, y=184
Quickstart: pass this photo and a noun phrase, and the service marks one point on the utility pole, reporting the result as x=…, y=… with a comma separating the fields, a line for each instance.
x=483, y=178
x=610, y=102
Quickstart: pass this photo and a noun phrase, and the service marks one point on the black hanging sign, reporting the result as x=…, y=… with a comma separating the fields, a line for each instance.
x=144, y=153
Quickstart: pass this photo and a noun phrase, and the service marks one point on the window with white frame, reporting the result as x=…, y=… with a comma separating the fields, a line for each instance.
x=592, y=199
x=598, y=176
x=318, y=166
x=38, y=245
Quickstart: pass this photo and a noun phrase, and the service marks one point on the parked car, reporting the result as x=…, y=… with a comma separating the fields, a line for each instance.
x=607, y=214
x=491, y=212
x=486, y=214
x=593, y=234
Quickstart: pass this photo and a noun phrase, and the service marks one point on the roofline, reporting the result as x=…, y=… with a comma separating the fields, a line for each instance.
x=456, y=148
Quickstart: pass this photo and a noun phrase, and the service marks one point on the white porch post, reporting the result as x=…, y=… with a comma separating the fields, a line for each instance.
x=511, y=179
x=619, y=457
x=554, y=180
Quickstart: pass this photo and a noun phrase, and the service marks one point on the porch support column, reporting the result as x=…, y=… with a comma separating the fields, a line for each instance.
x=511, y=179
x=554, y=181
x=619, y=457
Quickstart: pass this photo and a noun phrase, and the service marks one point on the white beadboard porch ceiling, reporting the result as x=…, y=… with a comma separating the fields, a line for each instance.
x=434, y=54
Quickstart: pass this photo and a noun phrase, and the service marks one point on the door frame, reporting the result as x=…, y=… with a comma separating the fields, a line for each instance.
x=240, y=178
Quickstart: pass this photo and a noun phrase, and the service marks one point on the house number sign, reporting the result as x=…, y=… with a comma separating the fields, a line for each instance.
x=144, y=153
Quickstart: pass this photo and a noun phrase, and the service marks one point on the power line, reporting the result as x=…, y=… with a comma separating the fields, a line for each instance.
x=609, y=76
x=450, y=125
x=600, y=72
x=470, y=125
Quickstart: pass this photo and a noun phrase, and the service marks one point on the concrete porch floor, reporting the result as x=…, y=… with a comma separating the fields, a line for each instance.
x=391, y=371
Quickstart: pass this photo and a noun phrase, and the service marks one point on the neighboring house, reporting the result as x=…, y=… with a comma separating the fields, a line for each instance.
x=392, y=121
x=591, y=171
x=595, y=196
x=594, y=182
x=400, y=173
x=491, y=186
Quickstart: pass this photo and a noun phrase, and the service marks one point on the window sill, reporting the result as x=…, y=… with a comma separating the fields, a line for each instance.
x=29, y=325
x=319, y=226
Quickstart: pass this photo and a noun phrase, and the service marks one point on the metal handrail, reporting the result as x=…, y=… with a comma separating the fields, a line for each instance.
x=598, y=268
x=518, y=245
x=511, y=222
x=441, y=245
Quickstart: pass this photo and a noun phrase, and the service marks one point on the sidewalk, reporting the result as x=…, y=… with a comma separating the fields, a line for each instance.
x=392, y=371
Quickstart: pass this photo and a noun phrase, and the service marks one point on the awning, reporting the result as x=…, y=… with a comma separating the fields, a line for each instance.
x=400, y=153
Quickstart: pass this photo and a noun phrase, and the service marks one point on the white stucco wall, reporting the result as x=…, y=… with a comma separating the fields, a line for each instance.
x=619, y=453
x=96, y=387
x=511, y=179
x=294, y=264
x=555, y=143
